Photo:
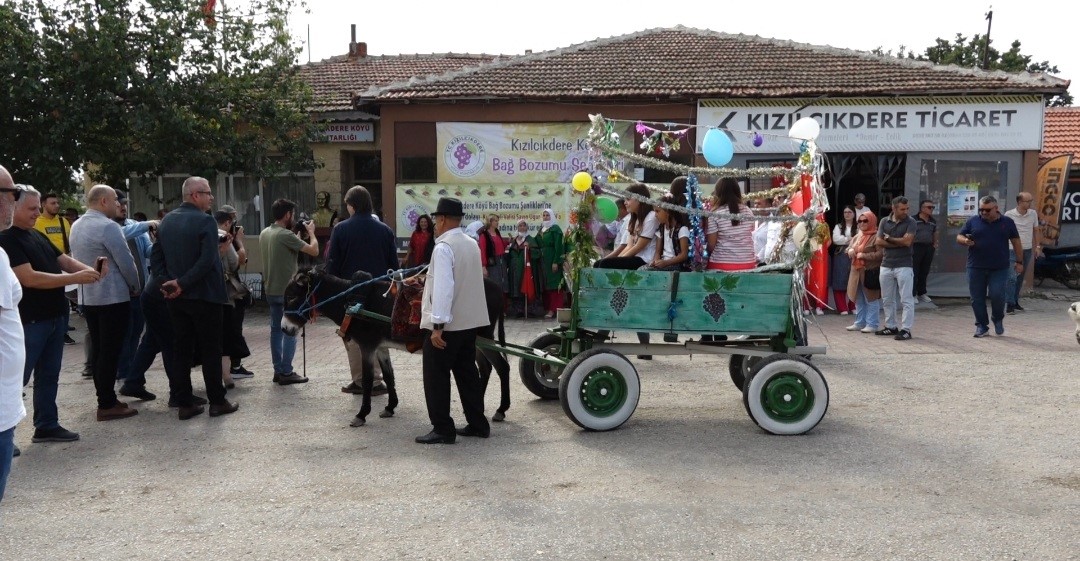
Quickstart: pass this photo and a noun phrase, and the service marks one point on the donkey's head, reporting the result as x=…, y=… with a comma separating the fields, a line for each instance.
x=299, y=300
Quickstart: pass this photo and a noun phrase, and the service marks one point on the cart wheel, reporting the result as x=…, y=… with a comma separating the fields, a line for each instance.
x=739, y=368
x=786, y=394
x=542, y=379
x=600, y=389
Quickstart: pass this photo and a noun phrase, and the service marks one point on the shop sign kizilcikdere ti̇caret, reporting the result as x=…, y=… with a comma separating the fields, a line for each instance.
x=502, y=153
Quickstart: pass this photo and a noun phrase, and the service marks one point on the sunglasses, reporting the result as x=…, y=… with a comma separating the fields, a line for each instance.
x=985, y=210
x=17, y=193
x=864, y=221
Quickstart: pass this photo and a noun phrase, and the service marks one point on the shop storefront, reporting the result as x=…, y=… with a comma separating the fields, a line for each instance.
x=950, y=150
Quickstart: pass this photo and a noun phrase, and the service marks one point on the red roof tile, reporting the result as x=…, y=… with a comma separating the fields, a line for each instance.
x=680, y=63
x=1061, y=133
x=336, y=80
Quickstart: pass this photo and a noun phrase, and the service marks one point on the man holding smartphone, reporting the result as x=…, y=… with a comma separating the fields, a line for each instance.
x=97, y=238
x=988, y=237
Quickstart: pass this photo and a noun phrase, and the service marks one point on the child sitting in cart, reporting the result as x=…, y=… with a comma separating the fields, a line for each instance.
x=672, y=241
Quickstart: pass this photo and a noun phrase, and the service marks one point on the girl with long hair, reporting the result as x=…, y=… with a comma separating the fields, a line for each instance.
x=840, y=268
x=418, y=243
x=730, y=241
x=642, y=229
x=493, y=252
x=672, y=241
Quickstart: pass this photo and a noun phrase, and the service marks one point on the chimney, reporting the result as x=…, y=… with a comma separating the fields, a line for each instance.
x=356, y=50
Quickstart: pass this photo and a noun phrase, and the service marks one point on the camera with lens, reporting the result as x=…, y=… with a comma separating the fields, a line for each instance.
x=300, y=226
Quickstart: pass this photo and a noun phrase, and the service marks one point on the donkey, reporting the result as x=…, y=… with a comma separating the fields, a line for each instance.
x=311, y=286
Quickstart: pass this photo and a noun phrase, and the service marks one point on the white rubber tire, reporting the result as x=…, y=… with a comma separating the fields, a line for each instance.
x=599, y=389
x=786, y=395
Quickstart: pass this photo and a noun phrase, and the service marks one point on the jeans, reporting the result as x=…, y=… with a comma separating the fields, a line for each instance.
x=131, y=341
x=7, y=448
x=282, y=346
x=922, y=257
x=107, y=325
x=987, y=281
x=1015, y=282
x=896, y=283
x=866, y=313
x=158, y=338
x=44, y=352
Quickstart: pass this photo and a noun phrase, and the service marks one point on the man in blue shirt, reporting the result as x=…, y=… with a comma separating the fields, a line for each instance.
x=987, y=237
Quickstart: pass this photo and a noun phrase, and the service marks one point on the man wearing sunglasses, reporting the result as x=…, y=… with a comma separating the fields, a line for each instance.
x=988, y=237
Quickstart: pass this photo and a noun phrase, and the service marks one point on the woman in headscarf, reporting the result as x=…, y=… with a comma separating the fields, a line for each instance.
x=493, y=252
x=473, y=229
x=865, y=264
x=522, y=302
x=552, y=252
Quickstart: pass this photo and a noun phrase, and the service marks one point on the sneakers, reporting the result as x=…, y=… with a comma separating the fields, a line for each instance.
x=290, y=378
x=1018, y=307
x=868, y=329
x=854, y=327
x=1010, y=309
x=68, y=340
x=819, y=312
x=999, y=327
x=59, y=434
x=844, y=313
x=903, y=335
x=239, y=373
x=924, y=299
x=886, y=331
x=981, y=331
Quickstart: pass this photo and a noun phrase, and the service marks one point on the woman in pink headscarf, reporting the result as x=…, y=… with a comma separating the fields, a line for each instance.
x=863, y=284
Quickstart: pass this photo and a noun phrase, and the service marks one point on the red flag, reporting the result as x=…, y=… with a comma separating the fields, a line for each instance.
x=208, y=13
x=527, y=286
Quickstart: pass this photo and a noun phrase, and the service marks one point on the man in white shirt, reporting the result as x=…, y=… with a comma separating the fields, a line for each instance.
x=454, y=306
x=1027, y=224
x=860, y=205
x=12, y=346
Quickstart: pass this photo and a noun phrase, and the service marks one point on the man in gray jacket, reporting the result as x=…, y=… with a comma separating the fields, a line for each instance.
x=96, y=238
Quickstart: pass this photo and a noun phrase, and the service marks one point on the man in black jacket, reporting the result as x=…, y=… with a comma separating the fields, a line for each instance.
x=362, y=243
x=185, y=261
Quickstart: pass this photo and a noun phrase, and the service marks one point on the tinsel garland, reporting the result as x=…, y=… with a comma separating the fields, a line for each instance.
x=692, y=212
x=699, y=252
x=681, y=169
x=784, y=191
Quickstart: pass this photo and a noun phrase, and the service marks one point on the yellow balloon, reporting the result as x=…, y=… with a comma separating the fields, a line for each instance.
x=582, y=181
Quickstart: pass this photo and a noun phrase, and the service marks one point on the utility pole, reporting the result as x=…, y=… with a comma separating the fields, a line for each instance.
x=986, y=44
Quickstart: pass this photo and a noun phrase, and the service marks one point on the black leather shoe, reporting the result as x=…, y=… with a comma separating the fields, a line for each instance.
x=436, y=438
x=219, y=409
x=59, y=434
x=186, y=413
x=470, y=430
x=138, y=393
x=16, y=452
x=195, y=401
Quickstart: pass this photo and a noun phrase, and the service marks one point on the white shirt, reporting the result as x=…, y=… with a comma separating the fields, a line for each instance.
x=12, y=347
x=647, y=229
x=1025, y=225
x=442, y=295
x=670, y=251
x=623, y=235
x=838, y=237
x=861, y=211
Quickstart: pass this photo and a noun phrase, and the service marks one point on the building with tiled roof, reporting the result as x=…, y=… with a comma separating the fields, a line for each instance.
x=1061, y=133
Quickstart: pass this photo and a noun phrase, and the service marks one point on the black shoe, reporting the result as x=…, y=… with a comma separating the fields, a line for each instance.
x=87, y=373
x=59, y=434
x=230, y=386
x=886, y=331
x=903, y=335
x=436, y=438
x=240, y=372
x=1018, y=307
x=470, y=430
x=138, y=393
x=16, y=452
x=186, y=413
x=219, y=409
x=68, y=340
x=290, y=378
x=1010, y=309
x=352, y=388
x=379, y=389
x=645, y=357
x=195, y=402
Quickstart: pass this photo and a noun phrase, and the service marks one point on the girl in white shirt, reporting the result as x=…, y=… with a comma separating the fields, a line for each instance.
x=642, y=228
x=672, y=240
x=840, y=267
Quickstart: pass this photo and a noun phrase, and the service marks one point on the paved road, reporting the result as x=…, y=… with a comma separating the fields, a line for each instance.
x=942, y=447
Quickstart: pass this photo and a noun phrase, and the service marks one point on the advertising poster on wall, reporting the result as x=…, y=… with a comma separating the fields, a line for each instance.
x=509, y=202
x=963, y=202
x=505, y=153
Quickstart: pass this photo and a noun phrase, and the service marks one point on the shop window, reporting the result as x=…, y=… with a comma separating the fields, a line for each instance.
x=416, y=170
x=955, y=187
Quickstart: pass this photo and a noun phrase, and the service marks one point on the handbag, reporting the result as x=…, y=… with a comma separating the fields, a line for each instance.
x=872, y=278
x=236, y=289
x=406, y=315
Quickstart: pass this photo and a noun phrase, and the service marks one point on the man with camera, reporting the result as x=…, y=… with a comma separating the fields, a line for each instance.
x=281, y=247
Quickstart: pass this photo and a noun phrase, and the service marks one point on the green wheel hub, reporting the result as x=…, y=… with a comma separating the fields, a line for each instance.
x=787, y=398
x=603, y=391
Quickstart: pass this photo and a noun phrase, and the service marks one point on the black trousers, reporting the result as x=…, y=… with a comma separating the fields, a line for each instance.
x=922, y=256
x=459, y=356
x=107, y=326
x=197, y=324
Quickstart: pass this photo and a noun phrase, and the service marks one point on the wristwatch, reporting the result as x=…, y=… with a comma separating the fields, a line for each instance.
x=437, y=326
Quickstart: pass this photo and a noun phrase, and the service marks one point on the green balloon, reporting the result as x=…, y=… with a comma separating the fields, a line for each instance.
x=606, y=209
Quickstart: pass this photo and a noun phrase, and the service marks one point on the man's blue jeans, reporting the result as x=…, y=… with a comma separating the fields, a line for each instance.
x=7, y=448
x=44, y=352
x=987, y=281
x=282, y=346
x=897, y=284
x=131, y=342
x=158, y=337
x=1015, y=283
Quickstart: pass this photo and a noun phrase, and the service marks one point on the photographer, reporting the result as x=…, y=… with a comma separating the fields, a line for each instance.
x=280, y=247
x=235, y=285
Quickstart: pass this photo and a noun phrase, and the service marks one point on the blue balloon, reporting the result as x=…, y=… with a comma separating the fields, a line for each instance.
x=717, y=148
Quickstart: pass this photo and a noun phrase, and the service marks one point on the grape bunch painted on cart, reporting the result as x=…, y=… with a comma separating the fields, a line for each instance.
x=713, y=303
x=620, y=298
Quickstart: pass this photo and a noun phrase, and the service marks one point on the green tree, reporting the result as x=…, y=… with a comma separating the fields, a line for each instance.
x=972, y=53
x=146, y=87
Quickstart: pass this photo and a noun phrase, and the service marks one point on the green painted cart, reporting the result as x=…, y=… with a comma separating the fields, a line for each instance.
x=783, y=392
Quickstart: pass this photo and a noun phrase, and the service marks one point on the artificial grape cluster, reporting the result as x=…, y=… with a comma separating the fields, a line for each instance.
x=714, y=304
x=463, y=155
x=619, y=298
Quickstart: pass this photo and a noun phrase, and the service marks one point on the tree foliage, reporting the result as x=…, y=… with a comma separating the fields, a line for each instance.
x=150, y=86
x=973, y=52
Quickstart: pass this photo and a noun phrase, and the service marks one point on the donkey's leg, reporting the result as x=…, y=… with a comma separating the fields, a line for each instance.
x=383, y=355
x=492, y=359
x=366, y=382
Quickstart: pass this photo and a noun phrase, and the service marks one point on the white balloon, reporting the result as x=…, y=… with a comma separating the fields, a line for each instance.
x=805, y=129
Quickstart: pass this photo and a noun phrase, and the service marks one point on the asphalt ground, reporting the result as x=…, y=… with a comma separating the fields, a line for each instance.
x=941, y=447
